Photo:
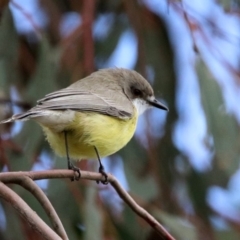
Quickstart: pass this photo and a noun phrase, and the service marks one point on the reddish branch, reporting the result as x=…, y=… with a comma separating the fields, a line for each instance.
x=27, y=213
x=24, y=179
x=32, y=187
x=28, y=16
x=88, y=44
x=135, y=14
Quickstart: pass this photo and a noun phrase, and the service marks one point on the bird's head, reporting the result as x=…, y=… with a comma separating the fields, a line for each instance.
x=139, y=91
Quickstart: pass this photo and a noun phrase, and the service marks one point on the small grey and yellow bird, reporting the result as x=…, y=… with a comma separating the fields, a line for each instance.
x=95, y=116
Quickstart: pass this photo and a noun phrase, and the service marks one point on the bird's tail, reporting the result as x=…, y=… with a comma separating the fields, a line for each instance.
x=18, y=117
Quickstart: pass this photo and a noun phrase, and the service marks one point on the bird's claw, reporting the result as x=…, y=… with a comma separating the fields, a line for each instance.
x=75, y=169
x=105, y=181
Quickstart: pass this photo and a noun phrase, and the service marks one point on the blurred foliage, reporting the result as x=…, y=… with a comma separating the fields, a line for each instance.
x=222, y=126
x=42, y=61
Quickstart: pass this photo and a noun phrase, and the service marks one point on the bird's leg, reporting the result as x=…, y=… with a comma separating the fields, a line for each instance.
x=101, y=168
x=70, y=165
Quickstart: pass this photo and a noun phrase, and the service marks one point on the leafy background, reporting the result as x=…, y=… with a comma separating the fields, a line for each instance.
x=182, y=166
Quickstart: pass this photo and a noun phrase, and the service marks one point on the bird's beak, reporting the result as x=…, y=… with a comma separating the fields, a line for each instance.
x=155, y=103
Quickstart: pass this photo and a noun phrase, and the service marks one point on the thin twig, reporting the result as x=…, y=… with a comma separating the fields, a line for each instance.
x=29, y=17
x=32, y=187
x=13, y=177
x=139, y=210
x=27, y=213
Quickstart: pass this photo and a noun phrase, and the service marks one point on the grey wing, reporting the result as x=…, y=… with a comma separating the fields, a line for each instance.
x=112, y=104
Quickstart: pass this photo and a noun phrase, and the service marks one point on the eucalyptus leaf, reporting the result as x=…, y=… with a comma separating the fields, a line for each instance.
x=180, y=228
x=92, y=215
x=222, y=126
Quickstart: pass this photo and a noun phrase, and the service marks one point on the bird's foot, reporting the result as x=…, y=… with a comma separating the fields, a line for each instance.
x=101, y=170
x=75, y=169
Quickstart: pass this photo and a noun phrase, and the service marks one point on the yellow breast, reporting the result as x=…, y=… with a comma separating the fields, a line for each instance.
x=107, y=134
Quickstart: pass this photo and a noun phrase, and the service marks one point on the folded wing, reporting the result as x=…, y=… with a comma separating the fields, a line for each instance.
x=111, y=104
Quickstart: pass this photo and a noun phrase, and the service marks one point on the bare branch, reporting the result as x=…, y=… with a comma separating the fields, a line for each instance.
x=13, y=177
x=139, y=210
x=27, y=213
x=32, y=187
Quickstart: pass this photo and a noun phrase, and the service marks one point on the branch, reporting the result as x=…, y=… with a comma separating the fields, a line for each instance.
x=135, y=15
x=88, y=10
x=13, y=177
x=32, y=187
x=27, y=213
x=29, y=17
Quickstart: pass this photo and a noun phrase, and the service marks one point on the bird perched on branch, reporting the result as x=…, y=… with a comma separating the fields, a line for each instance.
x=95, y=116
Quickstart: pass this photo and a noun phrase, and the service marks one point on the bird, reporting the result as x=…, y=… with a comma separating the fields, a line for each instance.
x=94, y=117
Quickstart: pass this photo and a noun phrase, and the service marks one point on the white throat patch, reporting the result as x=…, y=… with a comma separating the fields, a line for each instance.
x=141, y=105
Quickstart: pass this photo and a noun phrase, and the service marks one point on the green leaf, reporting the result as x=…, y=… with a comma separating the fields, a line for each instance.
x=180, y=228
x=44, y=80
x=8, y=50
x=92, y=215
x=227, y=234
x=135, y=160
x=222, y=126
x=226, y=4
x=13, y=223
x=66, y=205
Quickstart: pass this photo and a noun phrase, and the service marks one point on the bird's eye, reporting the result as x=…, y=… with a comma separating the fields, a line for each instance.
x=136, y=92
